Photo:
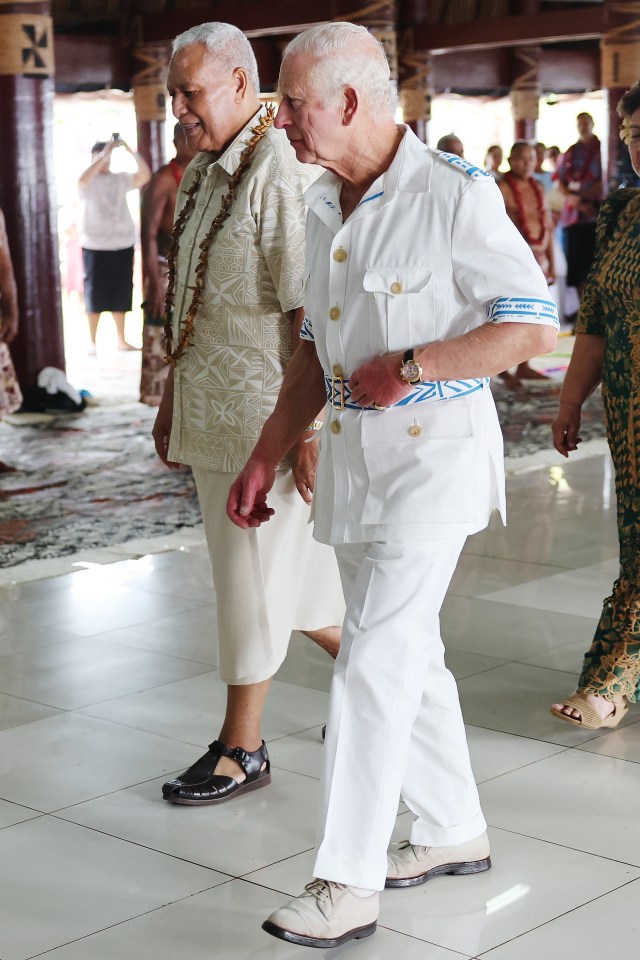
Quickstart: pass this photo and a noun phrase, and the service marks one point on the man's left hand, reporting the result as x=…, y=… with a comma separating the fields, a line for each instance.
x=378, y=382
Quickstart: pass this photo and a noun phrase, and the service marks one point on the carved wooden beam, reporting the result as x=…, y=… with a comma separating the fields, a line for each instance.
x=258, y=19
x=254, y=17
x=580, y=23
x=90, y=62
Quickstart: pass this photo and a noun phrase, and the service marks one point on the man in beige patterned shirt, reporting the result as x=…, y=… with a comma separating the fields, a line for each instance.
x=231, y=342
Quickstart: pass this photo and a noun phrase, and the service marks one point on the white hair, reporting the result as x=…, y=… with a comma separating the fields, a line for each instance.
x=230, y=46
x=346, y=54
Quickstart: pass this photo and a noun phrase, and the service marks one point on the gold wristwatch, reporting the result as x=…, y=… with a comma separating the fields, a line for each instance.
x=410, y=369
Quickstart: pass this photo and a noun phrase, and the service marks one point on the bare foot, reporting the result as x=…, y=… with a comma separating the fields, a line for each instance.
x=510, y=380
x=226, y=767
x=526, y=372
x=603, y=707
x=127, y=346
x=328, y=638
x=91, y=352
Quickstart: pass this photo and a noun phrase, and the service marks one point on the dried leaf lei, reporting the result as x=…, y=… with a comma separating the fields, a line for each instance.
x=173, y=355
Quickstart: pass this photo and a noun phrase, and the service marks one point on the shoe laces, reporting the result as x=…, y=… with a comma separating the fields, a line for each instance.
x=323, y=890
x=419, y=851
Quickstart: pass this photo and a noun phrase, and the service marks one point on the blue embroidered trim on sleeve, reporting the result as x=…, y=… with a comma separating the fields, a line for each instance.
x=306, y=331
x=525, y=311
x=464, y=166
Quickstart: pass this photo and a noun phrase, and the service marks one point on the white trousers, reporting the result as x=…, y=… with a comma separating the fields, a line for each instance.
x=394, y=726
x=269, y=580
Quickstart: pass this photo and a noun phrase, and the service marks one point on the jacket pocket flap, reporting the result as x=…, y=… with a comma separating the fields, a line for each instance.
x=397, y=280
x=440, y=420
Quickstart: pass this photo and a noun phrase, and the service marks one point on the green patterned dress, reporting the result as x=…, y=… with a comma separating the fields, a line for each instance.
x=611, y=308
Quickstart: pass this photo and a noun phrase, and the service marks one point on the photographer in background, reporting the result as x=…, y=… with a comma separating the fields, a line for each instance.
x=107, y=236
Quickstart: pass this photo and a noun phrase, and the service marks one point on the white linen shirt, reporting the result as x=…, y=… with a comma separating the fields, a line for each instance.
x=227, y=382
x=427, y=255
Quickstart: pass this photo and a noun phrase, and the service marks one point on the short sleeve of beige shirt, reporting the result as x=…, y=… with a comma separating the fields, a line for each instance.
x=227, y=382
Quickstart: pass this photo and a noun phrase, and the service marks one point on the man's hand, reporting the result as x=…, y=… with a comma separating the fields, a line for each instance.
x=565, y=428
x=161, y=434
x=8, y=326
x=304, y=459
x=247, y=501
x=378, y=382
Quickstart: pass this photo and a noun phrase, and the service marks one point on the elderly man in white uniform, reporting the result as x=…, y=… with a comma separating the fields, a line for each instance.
x=418, y=289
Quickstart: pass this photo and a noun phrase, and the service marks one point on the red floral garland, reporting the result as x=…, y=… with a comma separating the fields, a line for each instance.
x=522, y=217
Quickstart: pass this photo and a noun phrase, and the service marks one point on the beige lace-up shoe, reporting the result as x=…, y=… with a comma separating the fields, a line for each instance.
x=409, y=864
x=327, y=914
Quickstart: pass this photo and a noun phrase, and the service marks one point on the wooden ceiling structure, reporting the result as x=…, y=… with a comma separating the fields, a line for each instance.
x=492, y=47
x=471, y=41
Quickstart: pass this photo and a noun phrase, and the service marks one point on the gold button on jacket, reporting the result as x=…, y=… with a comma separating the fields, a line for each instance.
x=335, y=426
x=335, y=313
x=415, y=430
x=340, y=255
x=338, y=372
x=396, y=287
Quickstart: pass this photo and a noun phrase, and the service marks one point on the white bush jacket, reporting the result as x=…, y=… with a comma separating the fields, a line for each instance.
x=428, y=254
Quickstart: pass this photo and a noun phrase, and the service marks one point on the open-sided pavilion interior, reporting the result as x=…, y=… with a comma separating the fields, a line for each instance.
x=519, y=48
x=108, y=673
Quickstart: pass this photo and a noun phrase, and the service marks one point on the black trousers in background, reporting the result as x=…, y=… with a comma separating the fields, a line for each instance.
x=108, y=280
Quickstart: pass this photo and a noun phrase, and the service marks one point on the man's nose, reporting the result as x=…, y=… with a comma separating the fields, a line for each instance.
x=178, y=105
x=282, y=116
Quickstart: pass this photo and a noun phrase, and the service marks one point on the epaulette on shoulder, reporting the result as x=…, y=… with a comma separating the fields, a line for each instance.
x=464, y=166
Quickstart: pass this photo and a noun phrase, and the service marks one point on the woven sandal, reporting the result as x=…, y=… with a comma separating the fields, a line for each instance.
x=590, y=719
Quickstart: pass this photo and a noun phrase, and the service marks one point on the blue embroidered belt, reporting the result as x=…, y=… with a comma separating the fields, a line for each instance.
x=339, y=392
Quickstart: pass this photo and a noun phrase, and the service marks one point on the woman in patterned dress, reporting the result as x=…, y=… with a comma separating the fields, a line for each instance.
x=607, y=351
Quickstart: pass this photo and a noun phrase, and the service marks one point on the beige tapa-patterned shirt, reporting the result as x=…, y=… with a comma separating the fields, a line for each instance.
x=227, y=382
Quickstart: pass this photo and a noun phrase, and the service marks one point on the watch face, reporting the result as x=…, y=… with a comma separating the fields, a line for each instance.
x=411, y=371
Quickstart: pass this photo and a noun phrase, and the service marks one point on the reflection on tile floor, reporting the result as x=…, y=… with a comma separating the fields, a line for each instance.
x=108, y=685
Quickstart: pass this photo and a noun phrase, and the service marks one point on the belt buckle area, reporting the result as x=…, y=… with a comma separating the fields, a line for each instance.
x=337, y=393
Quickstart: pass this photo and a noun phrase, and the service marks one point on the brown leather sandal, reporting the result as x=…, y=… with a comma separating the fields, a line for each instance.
x=199, y=785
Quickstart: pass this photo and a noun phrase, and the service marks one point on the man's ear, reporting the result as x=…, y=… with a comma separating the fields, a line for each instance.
x=350, y=105
x=241, y=83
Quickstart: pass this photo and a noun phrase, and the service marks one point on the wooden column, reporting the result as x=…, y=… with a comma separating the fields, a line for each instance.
x=415, y=68
x=525, y=91
x=27, y=193
x=150, y=99
x=620, y=61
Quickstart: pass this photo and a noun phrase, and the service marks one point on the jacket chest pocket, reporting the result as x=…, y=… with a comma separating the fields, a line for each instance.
x=401, y=307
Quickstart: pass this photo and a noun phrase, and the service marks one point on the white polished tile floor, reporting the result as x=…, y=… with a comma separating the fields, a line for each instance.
x=108, y=686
